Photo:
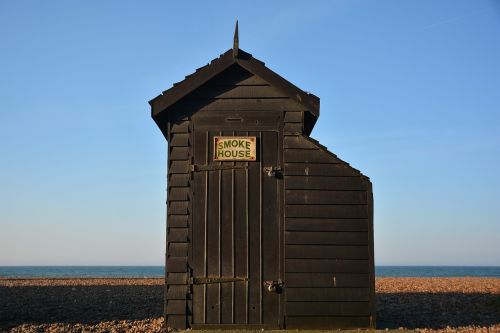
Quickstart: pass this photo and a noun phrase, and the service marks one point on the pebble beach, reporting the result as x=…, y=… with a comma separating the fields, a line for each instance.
x=136, y=305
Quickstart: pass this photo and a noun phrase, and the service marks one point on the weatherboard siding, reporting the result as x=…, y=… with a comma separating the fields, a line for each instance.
x=325, y=247
x=328, y=245
x=177, y=301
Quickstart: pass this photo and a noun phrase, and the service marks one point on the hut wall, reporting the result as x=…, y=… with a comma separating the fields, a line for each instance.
x=328, y=210
x=328, y=237
x=177, y=302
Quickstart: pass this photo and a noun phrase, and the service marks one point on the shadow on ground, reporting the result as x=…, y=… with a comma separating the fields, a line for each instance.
x=79, y=304
x=436, y=310
x=92, y=304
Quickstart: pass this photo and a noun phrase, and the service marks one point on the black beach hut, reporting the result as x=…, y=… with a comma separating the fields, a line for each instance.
x=266, y=228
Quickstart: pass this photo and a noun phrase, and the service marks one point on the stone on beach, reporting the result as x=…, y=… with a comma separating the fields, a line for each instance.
x=464, y=305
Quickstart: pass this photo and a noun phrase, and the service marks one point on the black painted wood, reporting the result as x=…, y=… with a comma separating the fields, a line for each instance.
x=319, y=169
x=328, y=308
x=177, y=249
x=325, y=183
x=328, y=294
x=308, y=155
x=327, y=211
x=178, y=221
x=178, y=292
x=319, y=197
x=242, y=234
x=180, y=140
x=324, y=322
x=176, y=278
x=309, y=225
x=326, y=266
x=179, y=166
x=178, y=235
x=327, y=280
x=327, y=237
x=327, y=251
x=325, y=224
x=178, y=180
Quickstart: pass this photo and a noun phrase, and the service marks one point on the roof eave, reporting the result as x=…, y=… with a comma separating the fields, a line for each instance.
x=193, y=81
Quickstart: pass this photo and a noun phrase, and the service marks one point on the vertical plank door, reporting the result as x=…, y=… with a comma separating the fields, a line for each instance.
x=235, y=234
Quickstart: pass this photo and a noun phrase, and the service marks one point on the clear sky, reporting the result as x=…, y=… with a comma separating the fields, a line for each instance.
x=410, y=95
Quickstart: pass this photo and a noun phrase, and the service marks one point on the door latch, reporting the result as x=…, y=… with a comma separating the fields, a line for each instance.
x=274, y=286
x=271, y=171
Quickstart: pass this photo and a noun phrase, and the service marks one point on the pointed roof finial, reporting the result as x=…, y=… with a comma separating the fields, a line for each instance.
x=236, y=41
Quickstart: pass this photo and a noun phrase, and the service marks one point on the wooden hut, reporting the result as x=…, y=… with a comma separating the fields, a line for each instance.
x=266, y=228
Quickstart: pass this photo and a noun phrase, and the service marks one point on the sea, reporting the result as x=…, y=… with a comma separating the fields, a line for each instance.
x=158, y=271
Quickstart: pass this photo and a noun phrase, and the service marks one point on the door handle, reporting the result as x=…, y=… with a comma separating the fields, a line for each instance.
x=271, y=171
x=274, y=286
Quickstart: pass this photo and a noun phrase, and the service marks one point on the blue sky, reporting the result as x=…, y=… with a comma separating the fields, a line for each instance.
x=410, y=95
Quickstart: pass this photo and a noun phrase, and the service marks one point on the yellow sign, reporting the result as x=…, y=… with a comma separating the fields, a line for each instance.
x=235, y=148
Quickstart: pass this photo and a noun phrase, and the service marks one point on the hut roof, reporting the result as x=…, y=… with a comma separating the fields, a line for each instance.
x=161, y=103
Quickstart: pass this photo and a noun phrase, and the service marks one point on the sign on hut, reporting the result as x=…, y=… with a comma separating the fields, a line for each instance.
x=266, y=228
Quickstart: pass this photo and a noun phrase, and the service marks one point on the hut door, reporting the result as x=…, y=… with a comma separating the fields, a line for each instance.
x=235, y=254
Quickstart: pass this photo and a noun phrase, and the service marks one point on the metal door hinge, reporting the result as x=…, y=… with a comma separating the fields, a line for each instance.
x=215, y=279
x=212, y=167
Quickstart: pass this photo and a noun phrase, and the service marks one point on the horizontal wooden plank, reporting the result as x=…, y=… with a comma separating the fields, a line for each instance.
x=177, y=321
x=322, y=197
x=179, y=140
x=176, y=278
x=326, y=280
x=232, y=120
x=319, y=224
x=327, y=294
x=293, y=128
x=177, y=221
x=178, y=180
x=236, y=105
x=177, y=292
x=327, y=211
x=319, y=169
x=179, y=166
x=326, y=251
x=177, y=265
x=326, y=266
x=293, y=117
x=177, y=307
x=177, y=235
x=327, y=237
x=327, y=308
x=180, y=127
x=179, y=153
x=222, y=92
x=309, y=156
x=177, y=249
x=178, y=194
x=178, y=208
x=330, y=322
x=325, y=183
